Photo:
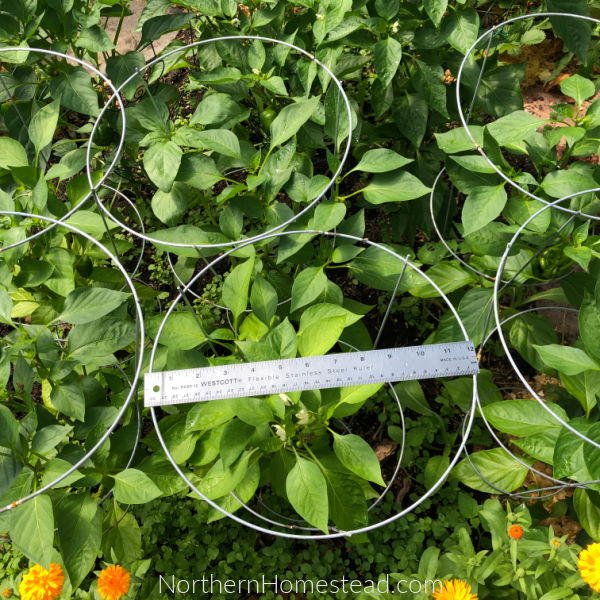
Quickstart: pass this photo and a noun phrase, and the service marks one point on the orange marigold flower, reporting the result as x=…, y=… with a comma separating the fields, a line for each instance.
x=6, y=592
x=40, y=584
x=455, y=589
x=555, y=542
x=589, y=566
x=515, y=532
x=113, y=582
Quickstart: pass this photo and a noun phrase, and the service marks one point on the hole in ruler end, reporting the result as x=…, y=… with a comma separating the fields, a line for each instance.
x=156, y=388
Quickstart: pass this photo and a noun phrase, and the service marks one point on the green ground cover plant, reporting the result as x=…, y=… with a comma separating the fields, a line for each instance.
x=224, y=142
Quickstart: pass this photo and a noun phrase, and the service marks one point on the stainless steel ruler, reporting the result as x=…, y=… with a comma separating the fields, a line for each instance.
x=309, y=373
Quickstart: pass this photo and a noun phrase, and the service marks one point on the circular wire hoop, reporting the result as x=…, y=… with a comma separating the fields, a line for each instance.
x=109, y=168
x=321, y=536
x=499, y=322
x=140, y=346
x=307, y=208
x=464, y=120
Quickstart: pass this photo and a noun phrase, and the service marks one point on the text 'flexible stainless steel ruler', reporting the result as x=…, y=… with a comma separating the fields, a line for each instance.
x=309, y=373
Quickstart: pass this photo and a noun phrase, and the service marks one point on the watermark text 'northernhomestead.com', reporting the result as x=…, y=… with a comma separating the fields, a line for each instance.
x=209, y=584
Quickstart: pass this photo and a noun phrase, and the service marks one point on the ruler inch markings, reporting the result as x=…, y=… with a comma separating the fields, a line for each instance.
x=309, y=373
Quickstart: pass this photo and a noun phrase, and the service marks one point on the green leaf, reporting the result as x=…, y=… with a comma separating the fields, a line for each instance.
x=157, y=26
x=263, y=300
x=381, y=160
x=94, y=39
x=9, y=428
x=43, y=124
x=222, y=141
x=565, y=359
x=321, y=326
x=120, y=68
x=32, y=529
x=457, y=140
x=236, y=286
x=394, y=187
x=12, y=154
x=134, y=487
x=387, y=54
x=357, y=456
x=287, y=123
x=447, y=275
x=208, y=415
x=429, y=82
x=99, y=339
x=83, y=305
x=434, y=469
x=515, y=127
x=588, y=512
x=308, y=286
x=91, y=223
x=523, y=417
x=219, y=110
x=254, y=411
x=181, y=331
x=568, y=459
x=461, y=28
x=161, y=162
x=123, y=538
x=496, y=466
x=576, y=33
x=234, y=439
x=347, y=504
x=558, y=184
x=169, y=206
x=68, y=399
x=79, y=522
x=589, y=324
x=410, y=113
x=198, y=170
x=577, y=87
x=474, y=310
x=306, y=490
x=75, y=90
x=435, y=10
x=482, y=206
x=526, y=330
x=220, y=481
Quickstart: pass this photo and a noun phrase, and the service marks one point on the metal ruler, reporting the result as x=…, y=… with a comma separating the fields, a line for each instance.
x=309, y=373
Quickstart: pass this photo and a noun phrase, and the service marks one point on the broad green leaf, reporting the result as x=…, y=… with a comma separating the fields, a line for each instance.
x=496, y=466
x=222, y=141
x=95, y=39
x=123, y=538
x=287, y=123
x=91, y=223
x=208, y=415
x=32, y=529
x=482, y=206
x=68, y=399
x=447, y=275
x=435, y=10
x=12, y=154
x=410, y=112
x=306, y=490
x=558, y=184
x=321, y=326
x=168, y=207
x=156, y=26
x=254, y=411
x=515, y=127
x=79, y=522
x=347, y=503
x=434, y=469
x=461, y=28
x=568, y=459
x=565, y=359
x=48, y=437
x=357, y=456
x=263, y=300
x=387, y=54
x=236, y=286
x=120, y=68
x=55, y=468
x=219, y=75
x=457, y=140
x=181, y=331
x=161, y=162
x=381, y=160
x=394, y=187
x=134, y=487
x=429, y=82
x=523, y=417
x=588, y=512
x=43, y=124
x=576, y=33
x=474, y=310
x=218, y=110
x=83, y=305
x=75, y=90
x=526, y=330
x=160, y=470
x=9, y=428
x=220, y=481
x=198, y=170
x=589, y=324
x=99, y=339
x=308, y=286
x=234, y=439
